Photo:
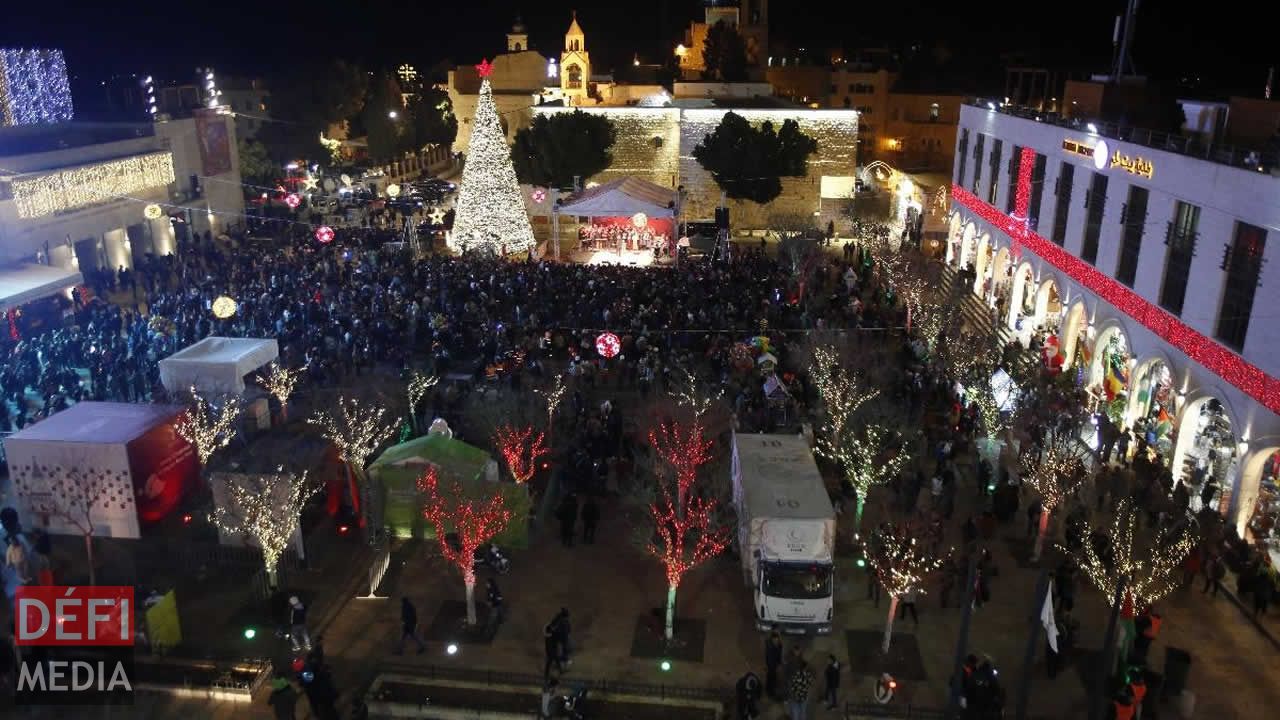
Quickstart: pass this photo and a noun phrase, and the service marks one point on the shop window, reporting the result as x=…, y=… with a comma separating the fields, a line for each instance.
x=1133, y=216
x=1037, y=191
x=993, y=183
x=1062, y=204
x=1095, y=202
x=1243, y=264
x=1180, y=236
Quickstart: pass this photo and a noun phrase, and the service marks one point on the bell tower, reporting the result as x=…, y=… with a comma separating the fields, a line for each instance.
x=575, y=63
x=518, y=38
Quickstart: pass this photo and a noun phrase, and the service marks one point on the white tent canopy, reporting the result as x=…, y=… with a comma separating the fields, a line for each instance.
x=216, y=364
x=27, y=281
x=623, y=197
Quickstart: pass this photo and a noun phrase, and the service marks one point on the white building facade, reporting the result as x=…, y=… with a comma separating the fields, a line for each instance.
x=1146, y=272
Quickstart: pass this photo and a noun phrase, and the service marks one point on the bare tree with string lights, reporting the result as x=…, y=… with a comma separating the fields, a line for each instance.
x=280, y=382
x=1056, y=471
x=416, y=389
x=874, y=455
x=902, y=564
x=474, y=521
x=684, y=537
x=553, y=396
x=266, y=507
x=685, y=448
x=1149, y=561
x=520, y=448
x=207, y=427
x=356, y=430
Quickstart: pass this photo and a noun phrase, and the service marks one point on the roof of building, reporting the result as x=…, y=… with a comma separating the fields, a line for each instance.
x=99, y=422
x=25, y=282
x=31, y=139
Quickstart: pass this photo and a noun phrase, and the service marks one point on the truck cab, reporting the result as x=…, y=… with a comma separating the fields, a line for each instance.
x=786, y=532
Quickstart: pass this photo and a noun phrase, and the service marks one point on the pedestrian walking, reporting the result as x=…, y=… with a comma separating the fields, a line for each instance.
x=497, y=606
x=568, y=516
x=1213, y=575
x=590, y=519
x=747, y=697
x=798, y=690
x=551, y=651
x=560, y=632
x=832, y=677
x=772, y=663
x=299, y=638
x=409, y=626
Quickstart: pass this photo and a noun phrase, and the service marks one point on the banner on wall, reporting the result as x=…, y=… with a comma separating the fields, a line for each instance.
x=215, y=143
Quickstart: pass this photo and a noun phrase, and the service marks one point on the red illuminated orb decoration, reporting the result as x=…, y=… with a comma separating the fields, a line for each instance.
x=324, y=234
x=292, y=200
x=608, y=345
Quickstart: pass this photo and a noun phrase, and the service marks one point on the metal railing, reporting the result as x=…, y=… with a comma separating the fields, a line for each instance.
x=501, y=677
x=1256, y=159
x=379, y=566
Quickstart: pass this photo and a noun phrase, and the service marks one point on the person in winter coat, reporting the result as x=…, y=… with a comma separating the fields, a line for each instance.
x=798, y=687
x=283, y=699
x=409, y=626
x=747, y=697
x=772, y=663
x=832, y=678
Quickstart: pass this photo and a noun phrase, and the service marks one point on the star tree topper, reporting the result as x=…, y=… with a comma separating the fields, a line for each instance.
x=485, y=68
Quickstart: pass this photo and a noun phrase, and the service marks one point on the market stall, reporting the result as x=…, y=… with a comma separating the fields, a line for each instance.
x=126, y=457
x=216, y=364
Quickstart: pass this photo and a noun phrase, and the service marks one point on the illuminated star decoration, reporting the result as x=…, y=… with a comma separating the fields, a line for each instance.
x=520, y=448
x=209, y=429
x=485, y=68
x=436, y=216
x=267, y=508
x=311, y=183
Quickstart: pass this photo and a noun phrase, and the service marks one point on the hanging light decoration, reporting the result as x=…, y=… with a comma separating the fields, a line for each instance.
x=224, y=307
x=324, y=234
x=539, y=195
x=292, y=200
x=639, y=220
x=608, y=345
x=152, y=211
x=393, y=190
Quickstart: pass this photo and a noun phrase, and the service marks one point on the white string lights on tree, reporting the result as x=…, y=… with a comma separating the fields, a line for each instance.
x=690, y=395
x=901, y=564
x=1150, y=563
x=209, y=428
x=417, y=389
x=267, y=508
x=1055, y=472
x=280, y=382
x=356, y=430
x=490, y=209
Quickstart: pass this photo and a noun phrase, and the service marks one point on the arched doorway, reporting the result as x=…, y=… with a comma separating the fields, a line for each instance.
x=1074, y=334
x=953, y=239
x=1048, y=305
x=1001, y=275
x=1152, y=407
x=1258, y=518
x=1109, y=364
x=1206, y=462
x=1021, y=279
x=981, y=265
x=968, y=244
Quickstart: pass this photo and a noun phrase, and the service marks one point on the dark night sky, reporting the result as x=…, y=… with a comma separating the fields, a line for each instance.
x=170, y=39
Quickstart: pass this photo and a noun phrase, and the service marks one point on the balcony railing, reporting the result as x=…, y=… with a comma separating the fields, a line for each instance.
x=1265, y=161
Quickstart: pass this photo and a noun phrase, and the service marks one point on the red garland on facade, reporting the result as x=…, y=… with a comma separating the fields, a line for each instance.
x=1205, y=351
x=685, y=449
x=520, y=448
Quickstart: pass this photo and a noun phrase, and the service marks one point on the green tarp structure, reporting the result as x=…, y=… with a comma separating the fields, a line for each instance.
x=395, y=473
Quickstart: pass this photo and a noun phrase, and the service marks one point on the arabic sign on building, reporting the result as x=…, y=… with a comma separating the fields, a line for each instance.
x=1097, y=152
x=1134, y=165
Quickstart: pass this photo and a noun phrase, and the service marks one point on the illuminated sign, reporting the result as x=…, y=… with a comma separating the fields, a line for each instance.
x=1076, y=147
x=1133, y=165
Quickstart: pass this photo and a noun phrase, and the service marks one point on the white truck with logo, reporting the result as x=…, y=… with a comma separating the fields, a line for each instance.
x=786, y=532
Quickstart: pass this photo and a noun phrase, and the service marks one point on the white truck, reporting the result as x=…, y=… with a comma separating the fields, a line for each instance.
x=786, y=532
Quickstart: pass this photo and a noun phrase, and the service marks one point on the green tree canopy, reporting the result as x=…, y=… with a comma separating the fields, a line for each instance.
x=431, y=120
x=724, y=53
x=748, y=162
x=304, y=100
x=556, y=147
x=256, y=166
x=384, y=132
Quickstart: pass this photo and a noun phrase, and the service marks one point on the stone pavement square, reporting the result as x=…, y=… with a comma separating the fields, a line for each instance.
x=690, y=635
x=902, y=661
x=450, y=625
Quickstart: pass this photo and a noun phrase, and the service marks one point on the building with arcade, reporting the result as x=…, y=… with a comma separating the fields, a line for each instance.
x=1145, y=272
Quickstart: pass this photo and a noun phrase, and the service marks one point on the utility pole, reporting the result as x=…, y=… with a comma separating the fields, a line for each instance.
x=1033, y=639
x=1098, y=701
x=962, y=642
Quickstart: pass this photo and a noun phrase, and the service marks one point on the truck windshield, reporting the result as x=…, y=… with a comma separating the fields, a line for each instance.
x=797, y=581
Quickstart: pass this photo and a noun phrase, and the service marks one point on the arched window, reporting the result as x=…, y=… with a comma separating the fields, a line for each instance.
x=575, y=78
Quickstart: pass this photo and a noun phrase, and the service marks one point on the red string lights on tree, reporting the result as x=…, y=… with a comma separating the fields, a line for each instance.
x=520, y=449
x=684, y=448
x=474, y=521
x=686, y=536
x=1249, y=378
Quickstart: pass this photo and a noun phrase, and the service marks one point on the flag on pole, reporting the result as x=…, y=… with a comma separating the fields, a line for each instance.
x=1046, y=619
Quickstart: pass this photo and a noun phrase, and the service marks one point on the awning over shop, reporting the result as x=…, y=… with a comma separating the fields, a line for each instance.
x=623, y=197
x=26, y=282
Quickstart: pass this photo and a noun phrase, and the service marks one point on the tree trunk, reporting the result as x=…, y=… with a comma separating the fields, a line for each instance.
x=470, y=580
x=273, y=573
x=857, y=516
x=671, y=612
x=888, y=625
x=355, y=493
x=88, y=551
x=1044, y=530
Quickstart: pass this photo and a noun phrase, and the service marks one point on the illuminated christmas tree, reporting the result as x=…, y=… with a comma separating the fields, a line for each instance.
x=490, y=209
